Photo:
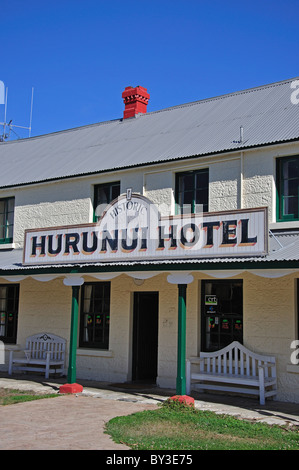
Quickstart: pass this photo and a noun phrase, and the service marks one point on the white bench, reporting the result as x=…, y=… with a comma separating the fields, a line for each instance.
x=43, y=352
x=233, y=369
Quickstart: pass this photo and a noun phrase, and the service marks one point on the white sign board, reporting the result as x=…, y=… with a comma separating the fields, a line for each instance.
x=133, y=230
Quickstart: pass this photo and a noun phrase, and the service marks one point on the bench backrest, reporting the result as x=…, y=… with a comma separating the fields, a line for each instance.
x=235, y=359
x=41, y=343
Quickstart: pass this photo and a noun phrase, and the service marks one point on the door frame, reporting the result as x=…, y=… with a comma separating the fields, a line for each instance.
x=134, y=336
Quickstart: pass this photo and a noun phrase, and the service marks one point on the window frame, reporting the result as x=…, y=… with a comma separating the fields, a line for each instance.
x=92, y=344
x=280, y=217
x=177, y=192
x=96, y=188
x=15, y=312
x=6, y=240
x=220, y=315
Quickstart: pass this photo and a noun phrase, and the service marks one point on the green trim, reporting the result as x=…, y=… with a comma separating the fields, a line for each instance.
x=106, y=296
x=176, y=191
x=6, y=227
x=247, y=265
x=71, y=377
x=6, y=241
x=181, y=353
x=280, y=217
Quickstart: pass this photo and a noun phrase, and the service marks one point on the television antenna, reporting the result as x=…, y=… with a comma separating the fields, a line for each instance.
x=9, y=127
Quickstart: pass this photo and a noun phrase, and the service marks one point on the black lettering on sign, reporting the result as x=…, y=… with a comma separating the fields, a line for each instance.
x=229, y=234
x=106, y=238
x=71, y=241
x=170, y=236
x=54, y=251
x=89, y=249
x=245, y=240
x=189, y=228
x=38, y=246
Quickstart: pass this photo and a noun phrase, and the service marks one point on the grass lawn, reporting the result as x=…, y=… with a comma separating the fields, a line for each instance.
x=179, y=427
x=10, y=396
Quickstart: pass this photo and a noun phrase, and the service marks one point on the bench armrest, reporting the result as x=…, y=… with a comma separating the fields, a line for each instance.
x=267, y=364
x=27, y=353
x=195, y=360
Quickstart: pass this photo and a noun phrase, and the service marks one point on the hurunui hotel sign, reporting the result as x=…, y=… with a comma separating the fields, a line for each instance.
x=132, y=229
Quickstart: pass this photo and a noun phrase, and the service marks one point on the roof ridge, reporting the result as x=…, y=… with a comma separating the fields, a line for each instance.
x=179, y=106
x=94, y=124
x=225, y=95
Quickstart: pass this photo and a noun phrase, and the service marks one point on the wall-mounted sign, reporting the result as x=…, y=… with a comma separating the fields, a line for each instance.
x=211, y=300
x=133, y=230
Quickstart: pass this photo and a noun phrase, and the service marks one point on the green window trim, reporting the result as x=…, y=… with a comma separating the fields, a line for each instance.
x=287, y=189
x=198, y=194
x=6, y=220
x=95, y=315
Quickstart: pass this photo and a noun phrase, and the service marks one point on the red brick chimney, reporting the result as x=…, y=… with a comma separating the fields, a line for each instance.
x=136, y=100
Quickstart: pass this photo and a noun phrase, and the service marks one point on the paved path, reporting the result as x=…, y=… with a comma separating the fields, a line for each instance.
x=67, y=422
x=70, y=422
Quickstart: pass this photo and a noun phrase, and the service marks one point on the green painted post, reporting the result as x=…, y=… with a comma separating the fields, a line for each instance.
x=71, y=376
x=181, y=360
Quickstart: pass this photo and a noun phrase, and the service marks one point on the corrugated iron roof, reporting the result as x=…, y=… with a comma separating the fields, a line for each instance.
x=204, y=127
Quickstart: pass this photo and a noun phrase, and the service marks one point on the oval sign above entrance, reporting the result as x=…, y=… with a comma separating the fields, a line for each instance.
x=131, y=215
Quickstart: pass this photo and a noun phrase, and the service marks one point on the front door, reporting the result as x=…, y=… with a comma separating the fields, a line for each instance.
x=145, y=336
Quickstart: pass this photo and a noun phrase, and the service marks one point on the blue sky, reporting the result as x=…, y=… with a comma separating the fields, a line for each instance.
x=79, y=55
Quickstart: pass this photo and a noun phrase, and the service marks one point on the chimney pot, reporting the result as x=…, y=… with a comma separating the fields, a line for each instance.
x=135, y=100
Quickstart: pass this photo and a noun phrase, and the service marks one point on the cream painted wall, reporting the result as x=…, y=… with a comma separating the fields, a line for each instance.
x=269, y=304
x=269, y=315
x=270, y=324
x=116, y=365
x=235, y=182
x=39, y=313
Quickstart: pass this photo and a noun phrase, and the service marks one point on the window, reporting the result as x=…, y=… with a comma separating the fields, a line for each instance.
x=192, y=191
x=103, y=195
x=95, y=315
x=288, y=189
x=221, y=314
x=9, y=304
x=6, y=219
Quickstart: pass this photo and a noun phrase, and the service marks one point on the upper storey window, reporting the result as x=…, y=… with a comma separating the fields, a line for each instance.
x=288, y=189
x=6, y=219
x=103, y=195
x=192, y=191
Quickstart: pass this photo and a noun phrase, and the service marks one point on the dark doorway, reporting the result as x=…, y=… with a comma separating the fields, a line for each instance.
x=145, y=336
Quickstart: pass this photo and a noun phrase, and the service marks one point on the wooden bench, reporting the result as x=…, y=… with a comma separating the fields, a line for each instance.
x=43, y=352
x=233, y=369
